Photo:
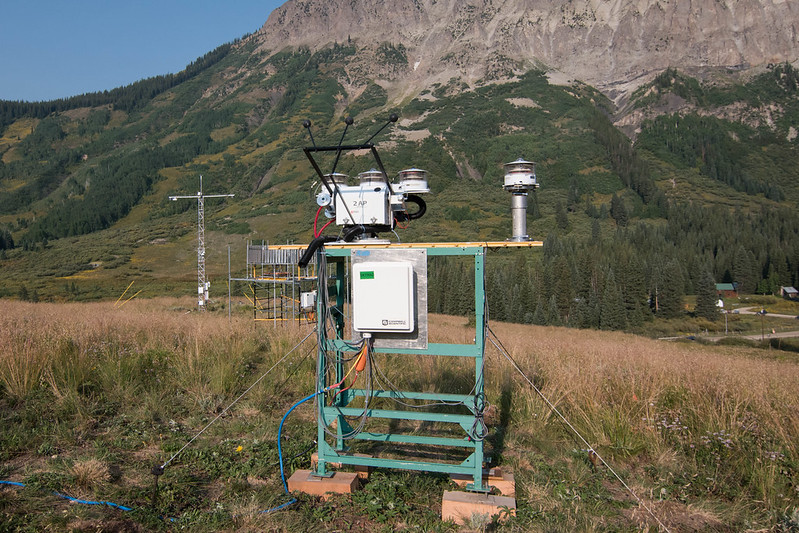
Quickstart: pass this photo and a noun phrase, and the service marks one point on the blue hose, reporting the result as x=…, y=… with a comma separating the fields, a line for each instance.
x=70, y=498
x=87, y=502
x=280, y=451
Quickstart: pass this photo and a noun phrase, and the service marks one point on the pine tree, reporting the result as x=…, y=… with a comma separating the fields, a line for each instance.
x=515, y=311
x=596, y=231
x=773, y=281
x=573, y=196
x=561, y=219
x=744, y=270
x=588, y=312
x=495, y=294
x=590, y=208
x=533, y=210
x=633, y=289
x=612, y=315
x=564, y=287
x=671, y=290
x=539, y=315
x=706, y=298
x=553, y=316
x=618, y=211
x=464, y=288
x=6, y=240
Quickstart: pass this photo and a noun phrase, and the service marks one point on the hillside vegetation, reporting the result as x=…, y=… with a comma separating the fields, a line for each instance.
x=93, y=395
x=706, y=193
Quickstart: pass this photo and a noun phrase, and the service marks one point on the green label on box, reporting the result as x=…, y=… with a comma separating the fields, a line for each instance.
x=368, y=274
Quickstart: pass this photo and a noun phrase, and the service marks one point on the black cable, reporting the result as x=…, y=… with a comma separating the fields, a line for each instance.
x=404, y=216
x=312, y=247
x=355, y=231
x=306, y=450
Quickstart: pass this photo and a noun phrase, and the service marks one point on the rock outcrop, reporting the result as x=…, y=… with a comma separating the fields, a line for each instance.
x=614, y=45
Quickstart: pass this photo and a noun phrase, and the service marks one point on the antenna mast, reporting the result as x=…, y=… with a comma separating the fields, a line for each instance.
x=202, y=285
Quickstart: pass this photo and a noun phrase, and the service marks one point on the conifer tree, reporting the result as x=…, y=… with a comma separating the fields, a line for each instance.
x=564, y=287
x=596, y=231
x=532, y=208
x=744, y=270
x=706, y=298
x=772, y=281
x=590, y=208
x=553, y=316
x=573, y=196
x=6, y=240
x=618, y=211
x=633, y=288
x=671, y=290
x=560, y=216
x=588, y=311
x=539, y=315
x=612, y=315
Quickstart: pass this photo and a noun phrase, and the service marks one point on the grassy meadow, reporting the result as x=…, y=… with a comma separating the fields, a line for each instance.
x=93, y=395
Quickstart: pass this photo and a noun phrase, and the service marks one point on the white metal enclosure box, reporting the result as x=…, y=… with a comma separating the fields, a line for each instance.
x=367, y=205
x=383, y=296
x=307, y=299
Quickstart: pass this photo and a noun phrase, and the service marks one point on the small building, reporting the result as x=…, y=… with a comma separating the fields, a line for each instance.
x=727, y=290
x=789, y=293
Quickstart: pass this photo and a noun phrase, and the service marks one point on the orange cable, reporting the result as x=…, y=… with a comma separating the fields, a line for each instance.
x=361, y=356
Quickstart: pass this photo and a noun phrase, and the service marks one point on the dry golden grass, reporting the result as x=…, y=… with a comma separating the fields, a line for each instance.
x=592, y=371
x=640, y=402
x=54, y=343
x=89, y=473
x=723, y=419
x=588, y=371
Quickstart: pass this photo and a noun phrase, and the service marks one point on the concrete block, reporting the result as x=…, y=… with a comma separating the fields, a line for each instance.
x=460, y=506
x=361, y=470
x=338, y=483
x=501, y=480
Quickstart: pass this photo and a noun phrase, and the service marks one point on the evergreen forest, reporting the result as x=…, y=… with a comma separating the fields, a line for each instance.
x=634, y=224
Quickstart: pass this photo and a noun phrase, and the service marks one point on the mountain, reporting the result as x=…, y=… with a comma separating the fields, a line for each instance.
x=612, y=45
x=657, y=164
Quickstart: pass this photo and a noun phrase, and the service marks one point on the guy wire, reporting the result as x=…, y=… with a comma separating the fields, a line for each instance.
x=504, y=352
x=237, y=400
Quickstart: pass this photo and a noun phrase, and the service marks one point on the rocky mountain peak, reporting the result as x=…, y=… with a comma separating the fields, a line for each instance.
x=614, y=45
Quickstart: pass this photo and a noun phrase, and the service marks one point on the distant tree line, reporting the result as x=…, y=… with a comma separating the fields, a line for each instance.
x=779, y=80
x=92, y=197
x=116, y=185
x=634, y=172
x=125, y=98
x=41, y=165
x=716, y=147
x=638, y=273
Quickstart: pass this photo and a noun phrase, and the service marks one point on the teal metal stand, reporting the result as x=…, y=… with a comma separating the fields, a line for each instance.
x=469, y=428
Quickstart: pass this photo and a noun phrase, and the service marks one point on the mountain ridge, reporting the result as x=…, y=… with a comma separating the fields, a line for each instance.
x=615, y=46
x=83, y=192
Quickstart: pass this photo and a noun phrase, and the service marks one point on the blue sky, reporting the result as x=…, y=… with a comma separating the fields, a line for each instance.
x=58, y=48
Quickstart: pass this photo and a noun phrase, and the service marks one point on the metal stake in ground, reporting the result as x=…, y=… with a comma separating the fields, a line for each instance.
x=157, y=471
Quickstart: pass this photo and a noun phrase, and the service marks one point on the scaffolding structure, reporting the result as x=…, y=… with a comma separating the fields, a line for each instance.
x=279, y=290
